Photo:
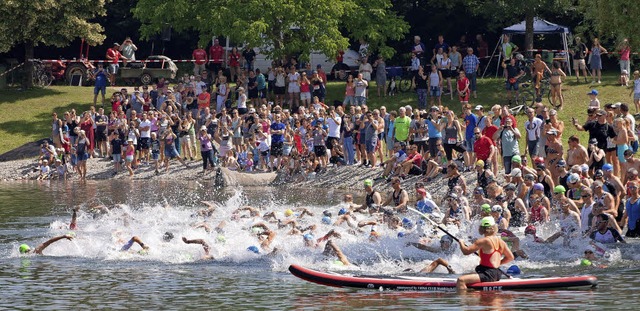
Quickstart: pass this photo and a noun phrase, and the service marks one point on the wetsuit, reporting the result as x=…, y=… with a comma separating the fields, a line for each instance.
x=485, y=270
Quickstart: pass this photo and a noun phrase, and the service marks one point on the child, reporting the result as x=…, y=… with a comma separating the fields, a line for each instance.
x=248, y=164
x=61, y=169
x=624, y=78
x=463, y=88
x=594, y=102
x=155, y=151
x=636, y=90
x=45, y=170
x=116, y=150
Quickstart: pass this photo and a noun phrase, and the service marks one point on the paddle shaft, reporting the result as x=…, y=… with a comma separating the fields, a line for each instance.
x=447, y=233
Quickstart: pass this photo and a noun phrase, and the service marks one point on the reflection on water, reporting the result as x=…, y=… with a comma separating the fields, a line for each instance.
x=87, y=274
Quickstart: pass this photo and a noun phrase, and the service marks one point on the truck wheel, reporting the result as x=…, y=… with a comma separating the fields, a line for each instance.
x=145, y=78
x=76, y=69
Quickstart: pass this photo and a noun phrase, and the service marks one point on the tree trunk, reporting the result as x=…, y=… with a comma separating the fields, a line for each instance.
x=27, y=80
x=528, y=36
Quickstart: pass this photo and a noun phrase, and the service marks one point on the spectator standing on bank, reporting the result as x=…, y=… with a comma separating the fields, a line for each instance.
x=470, y=64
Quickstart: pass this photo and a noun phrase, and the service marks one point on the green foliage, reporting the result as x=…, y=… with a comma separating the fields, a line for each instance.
x=612, y=19
x=49, y=22
x=279, y=28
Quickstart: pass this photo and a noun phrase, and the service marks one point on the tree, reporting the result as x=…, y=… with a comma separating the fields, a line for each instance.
x=48, y=22
x=278, y=28
x=612, y=19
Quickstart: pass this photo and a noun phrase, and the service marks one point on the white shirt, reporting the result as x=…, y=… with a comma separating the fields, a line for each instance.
x=533, y=129
x=200, y=87
x=365, y=70
x=361, y=88
x=334, y=127
x=147, y=133
x=584, y=217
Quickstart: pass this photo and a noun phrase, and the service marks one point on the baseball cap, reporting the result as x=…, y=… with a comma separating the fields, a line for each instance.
x=593, y=92
x=487, y=222
x=538, y=186
x=368, y=182
x=478, y=107
x=486, y=208
x=559, y=189
x=516, y=158
x=607, y=167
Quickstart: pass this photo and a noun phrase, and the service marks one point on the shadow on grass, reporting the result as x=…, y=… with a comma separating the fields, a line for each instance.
x=10, y=96
x=42, y=124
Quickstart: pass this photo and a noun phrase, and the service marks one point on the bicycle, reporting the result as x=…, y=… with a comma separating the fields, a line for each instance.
x=41, y=75
x=400, y=79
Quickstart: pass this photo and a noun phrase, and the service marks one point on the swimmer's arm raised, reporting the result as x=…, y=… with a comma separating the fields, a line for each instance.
x=46, y=244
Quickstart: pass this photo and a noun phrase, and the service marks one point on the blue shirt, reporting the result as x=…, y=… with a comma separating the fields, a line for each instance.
x=277, y=138
x=261, y=82
x=432, y=129
x=469, y=63
x=101, y=78
x=471, y=121
x=633, y=212
x=390, y=126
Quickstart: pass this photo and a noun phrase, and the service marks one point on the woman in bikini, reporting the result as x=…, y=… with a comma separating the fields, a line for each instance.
x=556, y=85
x=493, y=252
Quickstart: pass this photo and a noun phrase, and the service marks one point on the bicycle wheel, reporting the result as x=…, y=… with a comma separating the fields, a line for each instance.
x=526, y=99
x=405, y=84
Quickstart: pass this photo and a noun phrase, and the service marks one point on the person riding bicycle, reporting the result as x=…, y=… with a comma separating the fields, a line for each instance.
x=538, y=68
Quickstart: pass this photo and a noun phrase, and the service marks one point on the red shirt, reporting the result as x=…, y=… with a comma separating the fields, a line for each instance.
x=233, y=59
x=416, y=159
x=489, y=131
x=513, y=120
x=340, y=57
x=216, y=53
x=200, y=56
x=203, y=100
x=114, y=55
x=115, y=105
x=482, y=148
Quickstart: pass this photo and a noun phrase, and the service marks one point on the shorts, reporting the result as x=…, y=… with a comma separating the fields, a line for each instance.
x=305, y=96
x=262, y=93
x=332, y=142
x=129, y=158
x=170, y=151
x=361, y=100
x=101, y=136
x=434, y=91
x=636, y=96
x=415, y=170
x=113, y=68
x=320, y=151
x=511, y=86
x=487, y=274
x=445, y=73
x=370, y=145
x=144, y=143
x=237, y=141
x=276, y=149
x=579, y=64
x=155, y=155
x=279, y=90
x=468, y=144
x=99, y=89
x=294, y=88
x=116, y=157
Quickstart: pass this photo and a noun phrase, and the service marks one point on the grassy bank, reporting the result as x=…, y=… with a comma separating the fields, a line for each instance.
x=25, y=116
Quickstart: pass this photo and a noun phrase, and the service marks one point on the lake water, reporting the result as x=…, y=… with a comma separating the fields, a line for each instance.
x=90, y=271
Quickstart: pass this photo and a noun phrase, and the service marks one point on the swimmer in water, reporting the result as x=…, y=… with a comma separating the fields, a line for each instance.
x=205, y=247
x=135, y=239
x=493, y=253
x=446, y=243
x=25, y=249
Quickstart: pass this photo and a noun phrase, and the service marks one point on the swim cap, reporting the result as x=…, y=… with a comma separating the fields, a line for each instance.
x=488, y=222
x=221, y=238
x=421, y=191
x=574, y=178
x=71, y=234
x=327, y=213
x=514, y=270
x=288, y=212
x=254, y=249
x=338, y=263
x=401, y=234
x=486, y=208
x=584, y=168
x=496, y=208
x=585, y=262
x=368, y=182
x=559, y=189
x=168, y=236
x=342, y=211
x=516, y=158
x=308, y=237
x=326, y=220
x=538, y=186
x=446, y=239
x=530, y=229
x=607, y=167
x=407, y=223
x=24, y=248
x=480, y=163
